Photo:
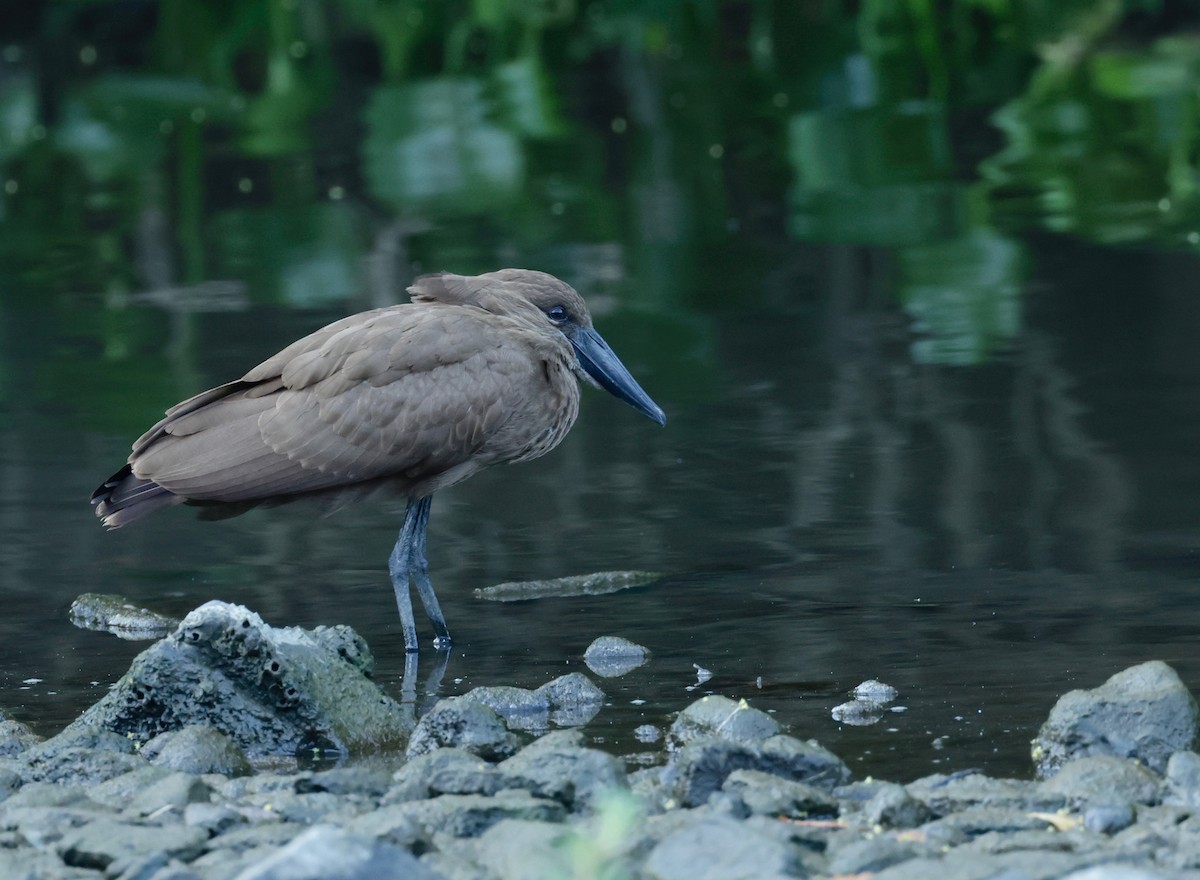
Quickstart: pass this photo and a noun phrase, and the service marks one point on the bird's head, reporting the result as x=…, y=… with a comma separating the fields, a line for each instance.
x=564, y=310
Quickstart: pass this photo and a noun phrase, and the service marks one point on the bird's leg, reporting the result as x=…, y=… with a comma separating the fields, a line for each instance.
x=398, y=564
x=408, y=559
x=419, y=569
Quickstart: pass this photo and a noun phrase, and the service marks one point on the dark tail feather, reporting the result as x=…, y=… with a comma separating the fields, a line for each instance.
x=124, y=498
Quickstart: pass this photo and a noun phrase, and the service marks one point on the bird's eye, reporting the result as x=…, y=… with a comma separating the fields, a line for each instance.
x=558, y=314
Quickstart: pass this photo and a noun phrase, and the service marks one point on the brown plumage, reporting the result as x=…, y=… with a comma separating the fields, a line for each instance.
x=475, y=371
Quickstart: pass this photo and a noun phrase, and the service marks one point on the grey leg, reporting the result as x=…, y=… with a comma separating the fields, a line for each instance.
x=408, y=559
x=398, y=565
x=419, y=570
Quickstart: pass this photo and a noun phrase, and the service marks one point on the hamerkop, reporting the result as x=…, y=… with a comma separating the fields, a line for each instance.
x=475, y=371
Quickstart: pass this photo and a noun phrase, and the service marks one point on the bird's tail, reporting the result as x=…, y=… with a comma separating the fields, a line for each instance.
x=124, y=498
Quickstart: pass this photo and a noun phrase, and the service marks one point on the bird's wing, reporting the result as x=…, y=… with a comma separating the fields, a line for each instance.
x=407, y=392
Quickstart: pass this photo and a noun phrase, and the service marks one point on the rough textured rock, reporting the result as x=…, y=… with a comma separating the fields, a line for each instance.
x=893, y=807
x=100, y=843
x=613, y=656
x=574, y=699
x=269, y=689
x=569, y=774
x=1183, y=780
x=1103, y=779
x=81, y=754
x=15, y=737
x=721, y=717
x=463, y=724
x=765, y=794
x=1144, y=712
x=700, y=768
x=718, y=849
x=197, y=749
x=325, y=853
x=443, y=771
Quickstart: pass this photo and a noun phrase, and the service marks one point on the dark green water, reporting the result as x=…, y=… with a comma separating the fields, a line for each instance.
x=920, y=303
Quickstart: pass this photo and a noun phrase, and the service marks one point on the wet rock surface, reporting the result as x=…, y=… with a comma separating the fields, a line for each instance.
x=475, y=792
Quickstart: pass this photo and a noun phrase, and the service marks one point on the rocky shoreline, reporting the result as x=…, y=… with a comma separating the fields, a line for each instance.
x=206, y=761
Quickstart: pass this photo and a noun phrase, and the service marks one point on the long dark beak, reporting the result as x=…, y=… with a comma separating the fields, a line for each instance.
x=602, y=365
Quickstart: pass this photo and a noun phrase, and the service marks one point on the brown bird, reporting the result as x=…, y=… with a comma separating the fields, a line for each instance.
x=475, y=371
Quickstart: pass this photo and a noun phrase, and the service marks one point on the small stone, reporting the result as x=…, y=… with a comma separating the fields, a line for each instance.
x=521, y=709
x=767, y=795
x=1183, y=780
x=571, y=775
x=873, y=691
x=574, y=699
x=858, y=713
x=718, y=849
x=717, y=716
x=893, y=807
x=99, y=843
x=197, y=749
x=15, y=737
x=173, y=792
x=466, y=725
x=869, y=855
x=1108, y=818
x=443, y=771
x=613, y=656
x=326, y=852
x=1098, y=779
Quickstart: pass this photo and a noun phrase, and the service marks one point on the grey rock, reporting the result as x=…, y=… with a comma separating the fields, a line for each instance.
x=765, y=794
x=974, y=822
x=701, y=767
x=647, y=733
x=893, y=807
x=613, y=656
x=99, y=843
x=347, y=644
x=460, y=815
x=117, y=792
x=466, y=725
x=858, y=713
x=1183, y=780
x=369, y=781
x=569, y=774
x=723, y=718
x=43, y=827
x=519, y=849
x=15, y=737
x=269, y=689
x=170, y=794
x=718, y=849
x=263, y=835
x=1114, y=872
x=27, y=864
x=105, y=612
x=213, y=818
x=874, y=691
x=964, y=864
x=1099, y=779
x=1144, y=712
x=946, y=794
x=47, y=794
x=197, y=749
x=521, y=709
x=325, y=853
x=443, y=771
x=870, y=855
x=1109, y=818
x=395, y=823
x=574, y=699
x=80, y=755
